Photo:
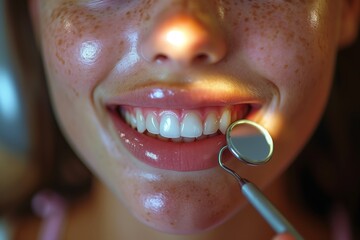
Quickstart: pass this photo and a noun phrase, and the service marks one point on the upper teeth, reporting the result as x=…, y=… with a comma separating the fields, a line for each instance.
x=180, y=124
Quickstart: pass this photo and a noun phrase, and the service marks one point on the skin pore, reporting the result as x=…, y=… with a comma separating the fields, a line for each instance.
x=276, y=57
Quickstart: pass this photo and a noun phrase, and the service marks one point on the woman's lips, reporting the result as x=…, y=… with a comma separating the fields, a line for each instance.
x=175, y=156
x=176, y=142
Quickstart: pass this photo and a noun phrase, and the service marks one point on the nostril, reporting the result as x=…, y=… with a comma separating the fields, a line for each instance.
x=161, y=58
x=201, y=58
x=197, y=59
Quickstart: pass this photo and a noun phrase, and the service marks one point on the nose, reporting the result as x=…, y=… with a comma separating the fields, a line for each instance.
x=183, y=39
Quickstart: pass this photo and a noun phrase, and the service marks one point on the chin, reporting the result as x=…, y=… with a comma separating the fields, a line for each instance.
x=189, y=218
x=186, y=206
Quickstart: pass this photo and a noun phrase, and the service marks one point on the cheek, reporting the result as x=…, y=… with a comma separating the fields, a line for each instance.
x=293, y=48
x=287, y=43
x=80, y=46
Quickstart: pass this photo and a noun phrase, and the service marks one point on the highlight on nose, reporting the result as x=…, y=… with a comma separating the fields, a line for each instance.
x=184, y=40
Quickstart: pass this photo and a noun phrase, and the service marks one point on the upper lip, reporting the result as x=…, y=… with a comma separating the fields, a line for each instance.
x=187, y=96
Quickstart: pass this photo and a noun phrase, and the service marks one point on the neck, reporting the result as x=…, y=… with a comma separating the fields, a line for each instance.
x=108, y=217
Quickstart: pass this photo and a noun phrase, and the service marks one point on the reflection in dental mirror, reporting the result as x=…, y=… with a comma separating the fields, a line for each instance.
x=249, y=142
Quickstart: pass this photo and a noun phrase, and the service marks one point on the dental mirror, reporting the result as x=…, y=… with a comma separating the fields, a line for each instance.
x=252, y=144
x=249, y=142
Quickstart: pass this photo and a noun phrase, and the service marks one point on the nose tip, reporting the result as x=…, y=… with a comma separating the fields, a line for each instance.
x=184, y=40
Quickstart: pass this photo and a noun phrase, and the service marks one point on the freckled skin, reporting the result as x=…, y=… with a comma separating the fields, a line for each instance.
x=93, y=50
x=179, y=199
x=69, y=23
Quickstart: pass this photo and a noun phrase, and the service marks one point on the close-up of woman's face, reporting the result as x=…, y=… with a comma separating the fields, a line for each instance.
x=144, y=91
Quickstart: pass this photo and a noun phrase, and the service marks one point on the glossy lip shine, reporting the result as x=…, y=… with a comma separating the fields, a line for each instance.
x=194, y=156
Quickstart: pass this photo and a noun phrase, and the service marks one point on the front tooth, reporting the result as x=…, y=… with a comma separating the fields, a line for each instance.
x=191, y=126
x=152, y=124
x=169, y=126
x=140, y=121
x=225, y=121
x=211, y=124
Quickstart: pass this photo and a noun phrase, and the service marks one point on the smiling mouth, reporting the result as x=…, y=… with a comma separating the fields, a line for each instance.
x=178, y=129
x=182, y=125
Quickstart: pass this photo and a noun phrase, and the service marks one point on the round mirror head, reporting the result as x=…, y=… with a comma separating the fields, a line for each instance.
x=249, y=142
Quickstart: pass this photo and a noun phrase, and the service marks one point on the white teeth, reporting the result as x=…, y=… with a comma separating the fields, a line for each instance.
x=225, y=121
x=126, y=116
x=191, y=126
x=130, y=119
x=152, y=125
x=211, y=124
x=169, y=126
x=140, y=121
x=165, y=124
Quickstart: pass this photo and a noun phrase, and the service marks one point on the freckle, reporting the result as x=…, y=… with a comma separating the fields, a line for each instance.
x=256, y=6
x=246, y=19
x=147, y=17
x=75, y=92
x=300, y=59
x=60, y=58
x=54, y=15
x=286, y=66
x=304, y=41
x=60, y=42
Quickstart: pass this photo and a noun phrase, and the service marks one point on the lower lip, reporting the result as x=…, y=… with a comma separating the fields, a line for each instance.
x=194, y=156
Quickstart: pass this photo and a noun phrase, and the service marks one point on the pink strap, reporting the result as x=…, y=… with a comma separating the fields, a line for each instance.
x=51, y=208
